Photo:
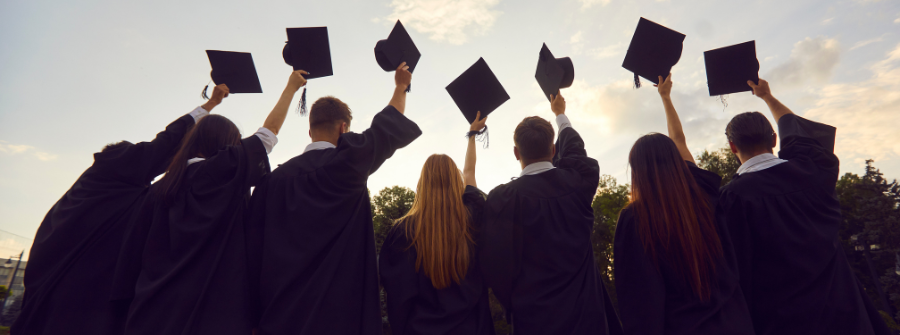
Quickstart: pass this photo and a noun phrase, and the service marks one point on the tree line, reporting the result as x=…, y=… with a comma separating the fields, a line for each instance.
x=870, y=234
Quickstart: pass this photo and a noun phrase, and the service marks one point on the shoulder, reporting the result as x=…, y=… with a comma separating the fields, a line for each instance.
x=396, y=239
x=707, y=180
x=625, y=227
x=473, y=196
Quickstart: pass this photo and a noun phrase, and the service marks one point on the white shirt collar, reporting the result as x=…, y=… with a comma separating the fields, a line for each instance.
x=195, y=160
x=320, y=145
x=537, y=167
x=759, y=162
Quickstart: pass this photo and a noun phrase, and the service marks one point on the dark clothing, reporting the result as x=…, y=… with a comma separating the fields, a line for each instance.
x=75, y=249
x=313, y=243
x=414, y=306
x=784, y=224
x=537, y=254
x=655, y=300
x=194, y=277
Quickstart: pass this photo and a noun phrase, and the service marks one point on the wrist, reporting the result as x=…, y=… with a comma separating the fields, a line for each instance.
x=768, y=98
x=399, y=88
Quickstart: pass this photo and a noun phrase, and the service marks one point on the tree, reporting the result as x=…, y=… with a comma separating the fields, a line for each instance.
x=722, y=162
x=607, y=204
x=870, y=234
x=390, y=204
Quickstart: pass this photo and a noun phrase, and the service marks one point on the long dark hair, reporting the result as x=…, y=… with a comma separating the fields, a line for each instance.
x=211, y=134
x=673, y=213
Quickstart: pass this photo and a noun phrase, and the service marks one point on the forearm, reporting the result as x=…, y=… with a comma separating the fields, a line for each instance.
x=399, y=99
x=469, y=167
x=276, y=117
x=777, y=108
x=210, y=104
x=676, y=132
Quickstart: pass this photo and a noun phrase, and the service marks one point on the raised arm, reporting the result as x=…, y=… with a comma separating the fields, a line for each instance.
x=219, y=92
x=776, y=107
x=676, y=133
x=279, y=113
x=469, y=167
x=402, y=78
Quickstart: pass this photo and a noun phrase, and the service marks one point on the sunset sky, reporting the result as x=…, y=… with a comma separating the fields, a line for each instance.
x=75, y=76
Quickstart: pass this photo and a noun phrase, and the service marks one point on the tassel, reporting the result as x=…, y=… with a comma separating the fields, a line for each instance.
x=301, y=106
x=724, y=100
x=205, y=97
x=480, y=136
x=637, y=81
x=408, y=88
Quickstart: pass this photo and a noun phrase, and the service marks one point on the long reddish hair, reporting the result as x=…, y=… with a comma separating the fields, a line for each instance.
x=438, y=223
x=674, y=218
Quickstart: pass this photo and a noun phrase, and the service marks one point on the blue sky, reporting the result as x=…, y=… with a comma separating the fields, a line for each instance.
x=76, y=76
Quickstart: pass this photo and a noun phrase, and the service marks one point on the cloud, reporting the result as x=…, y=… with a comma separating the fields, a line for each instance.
x=861, y=44
x=15, y=149
x=577, y=42
x=452, y=21
x=609, y=51
x=827, y=21
x=811, y=60
x=865, y=113
x=585, y=4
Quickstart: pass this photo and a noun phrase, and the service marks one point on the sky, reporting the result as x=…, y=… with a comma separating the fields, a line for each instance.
x=75, y=76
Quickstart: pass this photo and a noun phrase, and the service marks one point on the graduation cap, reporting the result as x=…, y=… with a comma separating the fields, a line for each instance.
x=477, y=89
x=552, y=73
x=653, y=51
x=307, y=49
x=728, y=69
x=396, y=49
x=234, y=69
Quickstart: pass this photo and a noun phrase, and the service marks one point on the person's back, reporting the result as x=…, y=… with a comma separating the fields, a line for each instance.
x=675, y=268
x=312, y=241
x=536, y=254
x=784, y=218
x=193, y=276
x=78, y=242
x=428, y=264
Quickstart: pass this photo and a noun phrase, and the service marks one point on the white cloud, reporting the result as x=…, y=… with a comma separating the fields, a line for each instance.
x=861, y=44
x=609, y=51
x=827, y=21
x=15, y=149
x=452, y=21
x=897, y=20
x=865, y=113
x=585, y=4
x=811, y=60
x=577, y=42
x=45, y=156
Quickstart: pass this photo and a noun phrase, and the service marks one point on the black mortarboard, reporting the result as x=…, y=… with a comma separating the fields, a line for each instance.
x=235, y=70
x=477, y=89
x=728, y=69
x=553, y=73
x=396, y=49
x=653, y=51
x=307, y=49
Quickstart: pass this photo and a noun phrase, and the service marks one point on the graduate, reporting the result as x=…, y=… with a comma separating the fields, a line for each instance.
x=76, y=246
x=536, y=253
x=428, y=263
x=783, y=216
x=313, y=238
x=675, y=267
x=194, y=277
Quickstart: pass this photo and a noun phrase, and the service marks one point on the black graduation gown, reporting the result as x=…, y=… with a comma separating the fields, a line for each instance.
x=537, y=253
x=75, y=249
x=194, y=277
x=784, y=224
x=654, y=300
x=314, y=243
x=414, y=306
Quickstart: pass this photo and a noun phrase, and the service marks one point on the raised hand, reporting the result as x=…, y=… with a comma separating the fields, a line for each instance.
x=219, y=92
x=402, y=77
x=557, y=104
x=479, y=122
x=665, y=86
x=296, y=81
x=762, y=90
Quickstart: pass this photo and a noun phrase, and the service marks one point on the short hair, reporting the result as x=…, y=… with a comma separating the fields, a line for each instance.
x=534, y=138
x=328, y=112
x=751, y=132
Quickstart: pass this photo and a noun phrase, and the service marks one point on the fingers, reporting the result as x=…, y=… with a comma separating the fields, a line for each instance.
x=302, y=71
x=661, y=80
x=478, y=116
x=669, y=78
x=402, y=66
x=752, y=85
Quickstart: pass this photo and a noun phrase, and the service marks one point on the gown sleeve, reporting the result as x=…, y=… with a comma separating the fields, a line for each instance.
x=474, y=200
x=640, y=287
x=812, y=143
x=570, y=154
x=248, y=162
x=397, y=268
x=140, y=163
x=362, y=154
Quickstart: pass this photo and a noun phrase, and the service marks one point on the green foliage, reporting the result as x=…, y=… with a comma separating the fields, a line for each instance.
x=389, y=205
x=501, y=327
x=607, y=204
x=4, y=330
x=3, y=292
x=722, y=162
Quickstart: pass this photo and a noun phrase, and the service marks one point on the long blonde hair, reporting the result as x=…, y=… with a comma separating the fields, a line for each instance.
x=438, y=223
